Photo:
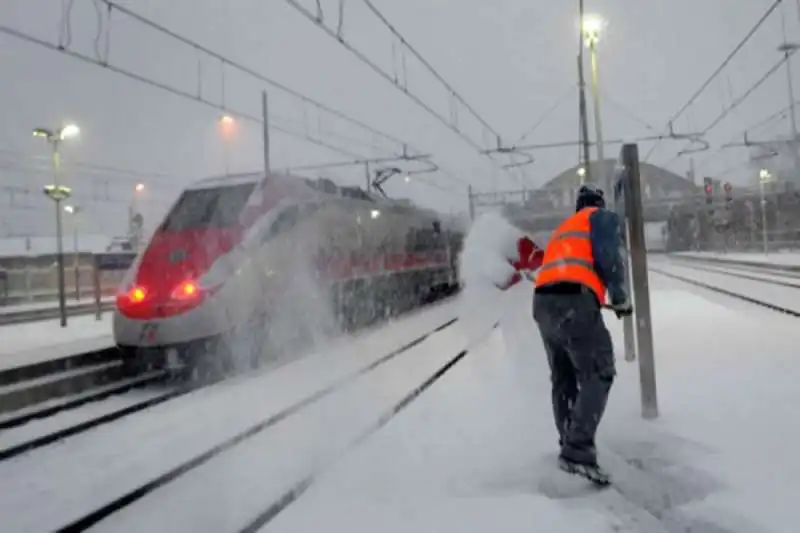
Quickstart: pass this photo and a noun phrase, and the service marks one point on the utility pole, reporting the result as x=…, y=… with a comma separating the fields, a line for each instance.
x=582, y=98
x=265, y=118
x=788, y=49
x=598, y=128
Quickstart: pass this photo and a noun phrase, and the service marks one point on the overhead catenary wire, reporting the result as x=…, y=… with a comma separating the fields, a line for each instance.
x=719, y=69
x=430, y=68
x=173, y=90
x=740, y=99
x=778, y=115
x=253, y=73
x=406, y=146
x=385, y=75
x=544, y=116
x=91, y=166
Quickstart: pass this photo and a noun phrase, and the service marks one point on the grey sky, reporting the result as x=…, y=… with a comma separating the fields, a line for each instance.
x=510, y=59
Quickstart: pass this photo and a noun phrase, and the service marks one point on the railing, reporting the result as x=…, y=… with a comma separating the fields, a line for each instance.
x=29, y=287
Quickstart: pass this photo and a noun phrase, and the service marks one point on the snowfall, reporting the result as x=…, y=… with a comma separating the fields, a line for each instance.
x=474, y=452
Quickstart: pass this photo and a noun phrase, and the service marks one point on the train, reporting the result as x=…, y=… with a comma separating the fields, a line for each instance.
x=253, y=263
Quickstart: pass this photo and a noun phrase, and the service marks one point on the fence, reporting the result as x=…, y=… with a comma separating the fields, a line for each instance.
x=34, y=279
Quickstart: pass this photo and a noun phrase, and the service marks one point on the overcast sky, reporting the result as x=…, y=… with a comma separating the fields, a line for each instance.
x=510, y=59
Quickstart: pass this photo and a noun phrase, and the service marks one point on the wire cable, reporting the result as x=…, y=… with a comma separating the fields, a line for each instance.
x=428, y=66
x=719, y=69
x=383, y=74
x=253, y=73
x=550, y=110
x=175, y=91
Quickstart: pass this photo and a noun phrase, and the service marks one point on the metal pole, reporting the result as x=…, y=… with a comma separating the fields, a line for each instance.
x=629, y=341
x=265, y=118
x=76, y=258
x=62, y=296
x=763, y=217
x=641, y=288
x=471, y=203
x=792, y=113
x=367, y=177
x=598, y=128
x=227, y=154
x=582, y=98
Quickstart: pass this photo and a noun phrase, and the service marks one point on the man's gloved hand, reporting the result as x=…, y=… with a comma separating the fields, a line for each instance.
x=622, y=309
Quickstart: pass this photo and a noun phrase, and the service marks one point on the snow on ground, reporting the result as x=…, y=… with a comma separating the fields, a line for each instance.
x=474, y=451
x=791, y=258
x=104, y=463
x=34, y=342
x=779, y=295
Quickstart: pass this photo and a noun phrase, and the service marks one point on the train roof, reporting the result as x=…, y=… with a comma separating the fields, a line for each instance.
x=323, y=185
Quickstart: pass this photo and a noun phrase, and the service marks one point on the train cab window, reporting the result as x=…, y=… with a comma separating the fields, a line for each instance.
x=219, y=207
x=287, y=219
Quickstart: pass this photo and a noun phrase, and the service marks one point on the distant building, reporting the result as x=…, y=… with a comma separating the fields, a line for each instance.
x=542, y=208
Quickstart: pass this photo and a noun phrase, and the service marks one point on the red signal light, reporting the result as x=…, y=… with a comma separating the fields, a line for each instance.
x=709, y=189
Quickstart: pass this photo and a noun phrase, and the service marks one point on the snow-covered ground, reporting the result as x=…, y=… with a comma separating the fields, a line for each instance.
x=475, y=451
x=71, y=478
x=790, y=258
x=34, y=342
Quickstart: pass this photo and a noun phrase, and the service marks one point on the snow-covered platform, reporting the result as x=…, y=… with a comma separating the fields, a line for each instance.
x=477, y=451
x=35, y=342
x=781, y=258
x=474, y=452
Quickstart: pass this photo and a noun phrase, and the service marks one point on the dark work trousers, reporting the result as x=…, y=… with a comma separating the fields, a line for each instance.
x=581, y=359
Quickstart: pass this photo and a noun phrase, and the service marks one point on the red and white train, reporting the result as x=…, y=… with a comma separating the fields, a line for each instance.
x=232, y=252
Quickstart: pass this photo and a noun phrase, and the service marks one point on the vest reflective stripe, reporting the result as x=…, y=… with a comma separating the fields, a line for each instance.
x=564, y=262
x=568, y=234
x=568, y=256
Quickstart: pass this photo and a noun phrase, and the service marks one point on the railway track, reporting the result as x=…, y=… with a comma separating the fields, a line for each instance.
x=271, y=510
x=767, y=288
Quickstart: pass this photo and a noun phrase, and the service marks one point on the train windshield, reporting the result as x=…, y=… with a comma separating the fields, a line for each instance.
x=219, y=207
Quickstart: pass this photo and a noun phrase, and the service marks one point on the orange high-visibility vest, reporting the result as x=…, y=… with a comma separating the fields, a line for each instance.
x=568, y=256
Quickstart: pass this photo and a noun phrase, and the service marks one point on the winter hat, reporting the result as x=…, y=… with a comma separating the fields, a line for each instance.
x=589, y=196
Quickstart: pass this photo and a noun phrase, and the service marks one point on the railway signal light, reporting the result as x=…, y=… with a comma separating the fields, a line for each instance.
x=728, y=194
x=708, y=186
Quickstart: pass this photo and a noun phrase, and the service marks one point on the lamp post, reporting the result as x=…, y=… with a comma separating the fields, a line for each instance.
x=58, y=193
x=764, y=176
x=591, y=26
x=134, y=217
x=75, y=211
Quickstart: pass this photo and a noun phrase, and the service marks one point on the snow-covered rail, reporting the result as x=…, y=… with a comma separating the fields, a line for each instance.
x=119, y=503
x=768, y=290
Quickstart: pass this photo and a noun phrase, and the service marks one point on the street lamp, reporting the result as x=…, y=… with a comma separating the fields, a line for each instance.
x=58, y=193
x=582, y=175
x=764, y=176
x=75, y=211
x=591, y=27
